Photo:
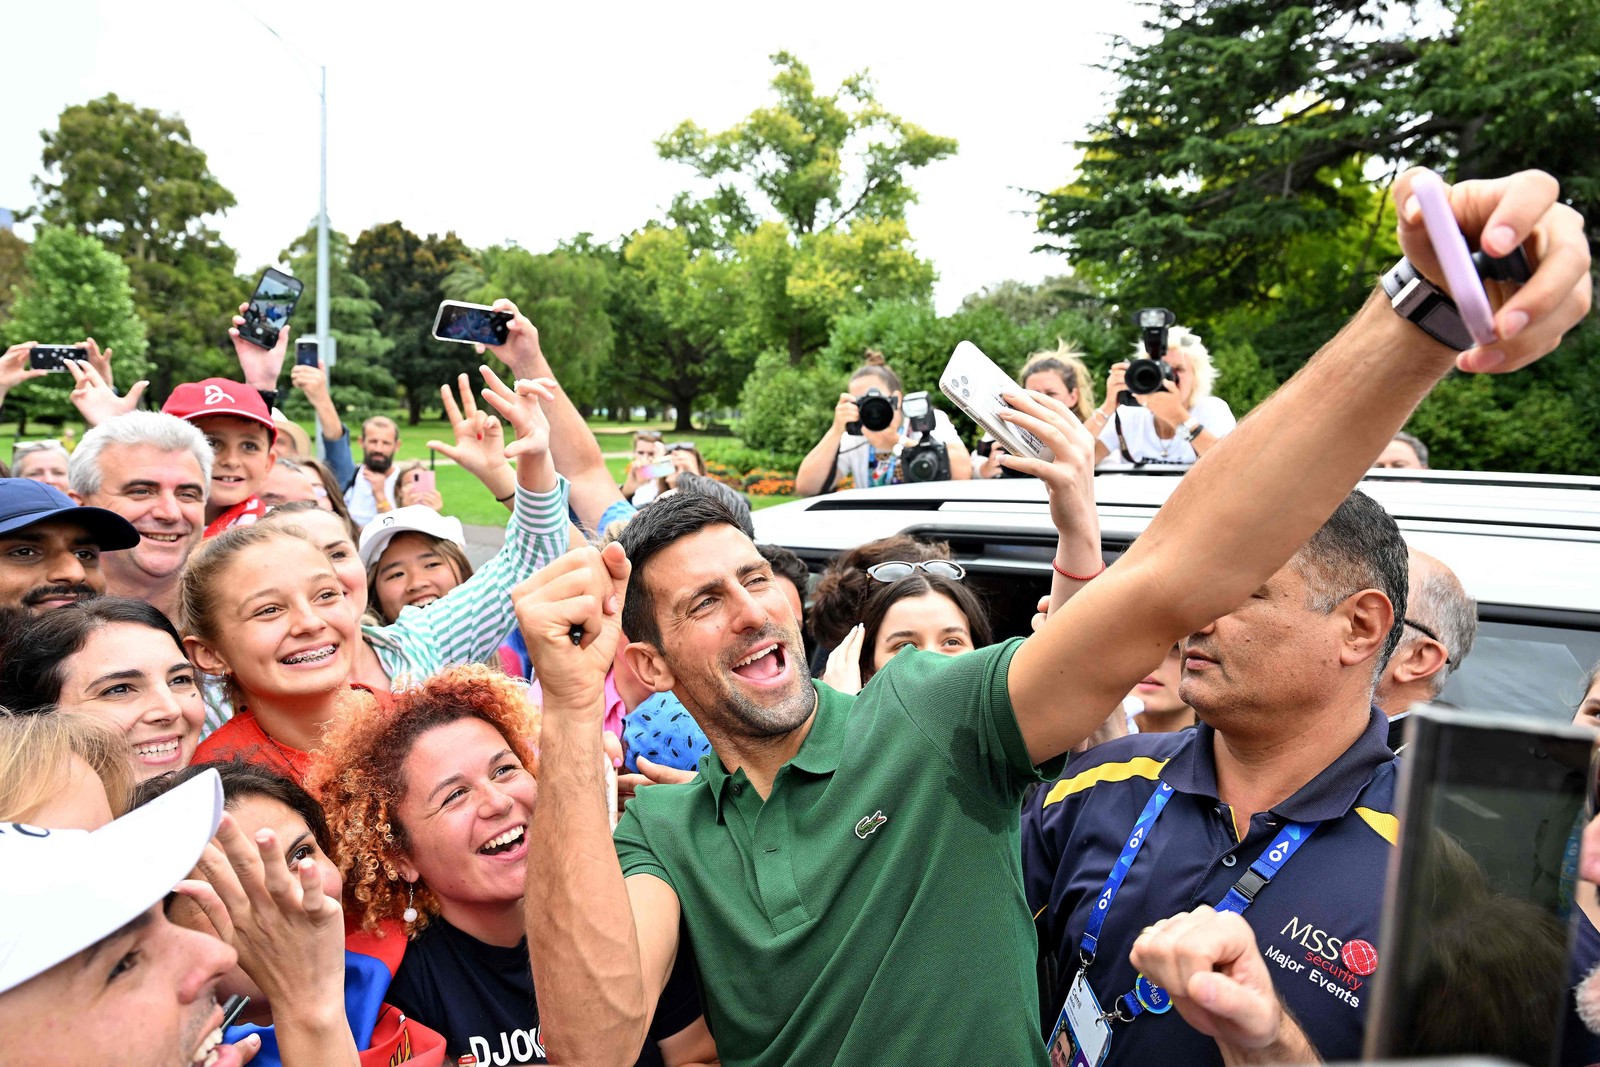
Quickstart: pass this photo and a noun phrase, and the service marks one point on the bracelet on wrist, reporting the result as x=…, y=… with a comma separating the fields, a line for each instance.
x=1059, y=569
x=508, y=496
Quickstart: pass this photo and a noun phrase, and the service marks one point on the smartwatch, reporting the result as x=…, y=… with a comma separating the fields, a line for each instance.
x=1419, y=301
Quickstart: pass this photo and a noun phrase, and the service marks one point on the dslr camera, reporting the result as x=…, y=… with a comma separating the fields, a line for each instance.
x=1147, y=375
x=927, y=460
x=877, y=411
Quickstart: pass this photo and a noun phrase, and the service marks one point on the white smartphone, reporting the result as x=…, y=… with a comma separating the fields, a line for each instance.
x=976, y=386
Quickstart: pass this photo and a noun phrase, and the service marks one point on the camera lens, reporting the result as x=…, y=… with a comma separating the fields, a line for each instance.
x=876, y=412
x=1143, y=376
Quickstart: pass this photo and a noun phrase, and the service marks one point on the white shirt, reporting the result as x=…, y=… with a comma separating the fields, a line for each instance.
x=359, y=499
x=855, y=454
x=1139, y=432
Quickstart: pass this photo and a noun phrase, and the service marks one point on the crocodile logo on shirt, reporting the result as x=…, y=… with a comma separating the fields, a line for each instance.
x=870, y=823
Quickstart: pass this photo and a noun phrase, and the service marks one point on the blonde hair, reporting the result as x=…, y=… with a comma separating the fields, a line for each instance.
x=1067, y=362
x=36, y=753
x=1205, y=372
x=202, y=575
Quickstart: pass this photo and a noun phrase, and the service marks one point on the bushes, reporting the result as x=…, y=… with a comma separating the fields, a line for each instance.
x=787, y=409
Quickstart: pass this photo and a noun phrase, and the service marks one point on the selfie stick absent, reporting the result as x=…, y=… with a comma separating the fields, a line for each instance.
x=1466, y=288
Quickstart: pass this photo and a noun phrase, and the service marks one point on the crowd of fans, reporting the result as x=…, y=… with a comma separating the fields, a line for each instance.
x=639, y=790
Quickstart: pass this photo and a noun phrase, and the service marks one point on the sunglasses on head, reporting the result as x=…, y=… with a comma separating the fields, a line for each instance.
x=22, y=448
x=895, y=569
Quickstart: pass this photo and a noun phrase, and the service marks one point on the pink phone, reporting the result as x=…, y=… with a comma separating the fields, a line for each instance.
x=422, y=481
x=1466, y=288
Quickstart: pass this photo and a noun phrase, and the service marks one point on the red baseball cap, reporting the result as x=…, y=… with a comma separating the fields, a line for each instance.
x=218, y=396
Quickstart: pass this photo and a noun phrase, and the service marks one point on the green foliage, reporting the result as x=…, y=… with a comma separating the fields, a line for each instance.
x=13, y=250
x=670, y=307
x=784, y=409
x=132, y=177
x=75, y=288
x=405, y=275
x=1241, y=179
x=360, y=382
x=808, y=208
x=564, y=293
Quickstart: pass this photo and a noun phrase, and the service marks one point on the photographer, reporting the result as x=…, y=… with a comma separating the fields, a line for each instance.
x=874, y=441
x=1173, y=420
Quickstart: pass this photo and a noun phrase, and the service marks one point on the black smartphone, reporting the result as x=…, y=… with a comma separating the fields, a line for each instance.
x=270, y=307
x=472, y=324
x=54, y=357
x=1478, y=907
x=306, y=353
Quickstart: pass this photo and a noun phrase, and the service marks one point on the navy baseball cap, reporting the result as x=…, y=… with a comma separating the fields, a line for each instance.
x=24, y=502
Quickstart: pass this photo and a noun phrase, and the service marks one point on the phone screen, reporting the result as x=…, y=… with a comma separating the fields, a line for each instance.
x=472, y=325
x=1477, y=921
x=275, y=298
x=659, y=470
x=270, y=307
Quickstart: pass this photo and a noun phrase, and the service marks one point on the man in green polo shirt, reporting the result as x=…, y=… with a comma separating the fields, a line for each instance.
x=847, y=871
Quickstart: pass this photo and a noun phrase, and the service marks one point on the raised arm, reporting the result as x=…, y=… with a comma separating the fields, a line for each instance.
x=820, y=469
x=573, y=446
x=1248, y=506
x=601, y=947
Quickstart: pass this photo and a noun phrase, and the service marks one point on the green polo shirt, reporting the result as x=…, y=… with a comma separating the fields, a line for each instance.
x=872, y=909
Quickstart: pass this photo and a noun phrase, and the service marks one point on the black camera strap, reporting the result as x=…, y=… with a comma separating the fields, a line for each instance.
x=1122, y=442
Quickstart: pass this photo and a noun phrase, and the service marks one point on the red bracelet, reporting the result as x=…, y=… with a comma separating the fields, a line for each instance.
x=1077, y=577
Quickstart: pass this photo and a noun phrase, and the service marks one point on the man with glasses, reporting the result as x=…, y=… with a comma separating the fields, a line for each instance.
x=153, y=470
x=1441, y=622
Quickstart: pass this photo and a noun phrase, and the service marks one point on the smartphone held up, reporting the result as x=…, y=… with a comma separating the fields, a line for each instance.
x=54, y=357
x=269, y=308
x=471, y=324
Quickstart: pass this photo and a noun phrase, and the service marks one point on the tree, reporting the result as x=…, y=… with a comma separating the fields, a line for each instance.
x=132, y=177
x=565, y=294
x=1245, y=126
x=1242, y=177
x=359, y=381
x=809, y=198
x=670, y=308
x=75, y=288
x=405, y=275
x=13, y=250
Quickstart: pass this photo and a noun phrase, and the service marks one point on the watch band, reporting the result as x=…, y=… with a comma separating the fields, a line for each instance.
x=1191, y=429
x=1420, y=302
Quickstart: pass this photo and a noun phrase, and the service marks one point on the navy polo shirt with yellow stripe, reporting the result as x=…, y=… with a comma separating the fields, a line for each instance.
x=871, y=909
x=1316, y=923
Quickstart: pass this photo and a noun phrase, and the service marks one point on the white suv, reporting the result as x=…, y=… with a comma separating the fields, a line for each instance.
x=1526, y=547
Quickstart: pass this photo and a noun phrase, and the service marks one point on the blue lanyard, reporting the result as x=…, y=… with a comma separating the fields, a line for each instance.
x=1145, y=994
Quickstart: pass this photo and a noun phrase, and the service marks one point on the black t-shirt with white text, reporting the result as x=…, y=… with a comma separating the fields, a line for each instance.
x=480, y=997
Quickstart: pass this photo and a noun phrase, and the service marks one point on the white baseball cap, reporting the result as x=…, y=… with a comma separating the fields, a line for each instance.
x=413, y=518
x=63, y=890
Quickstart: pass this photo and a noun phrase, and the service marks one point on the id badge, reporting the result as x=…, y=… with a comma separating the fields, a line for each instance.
x=1082, y=1036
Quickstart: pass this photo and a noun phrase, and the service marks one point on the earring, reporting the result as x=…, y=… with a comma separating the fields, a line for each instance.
x=410, y=914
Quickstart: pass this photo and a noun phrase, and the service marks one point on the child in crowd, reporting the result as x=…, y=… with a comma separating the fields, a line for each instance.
x=241, y=433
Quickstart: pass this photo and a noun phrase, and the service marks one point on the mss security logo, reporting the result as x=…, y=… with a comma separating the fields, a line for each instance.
x=1336, y=965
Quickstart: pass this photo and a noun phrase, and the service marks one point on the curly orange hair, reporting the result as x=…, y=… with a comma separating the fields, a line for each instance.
x=358, y=774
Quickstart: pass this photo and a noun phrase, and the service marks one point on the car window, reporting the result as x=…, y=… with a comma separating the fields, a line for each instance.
x=1524, y=669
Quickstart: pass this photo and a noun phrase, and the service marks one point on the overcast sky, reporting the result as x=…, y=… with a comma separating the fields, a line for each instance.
x=530, y=122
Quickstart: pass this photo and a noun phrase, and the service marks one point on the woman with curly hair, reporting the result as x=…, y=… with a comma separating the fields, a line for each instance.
x=429, y=801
